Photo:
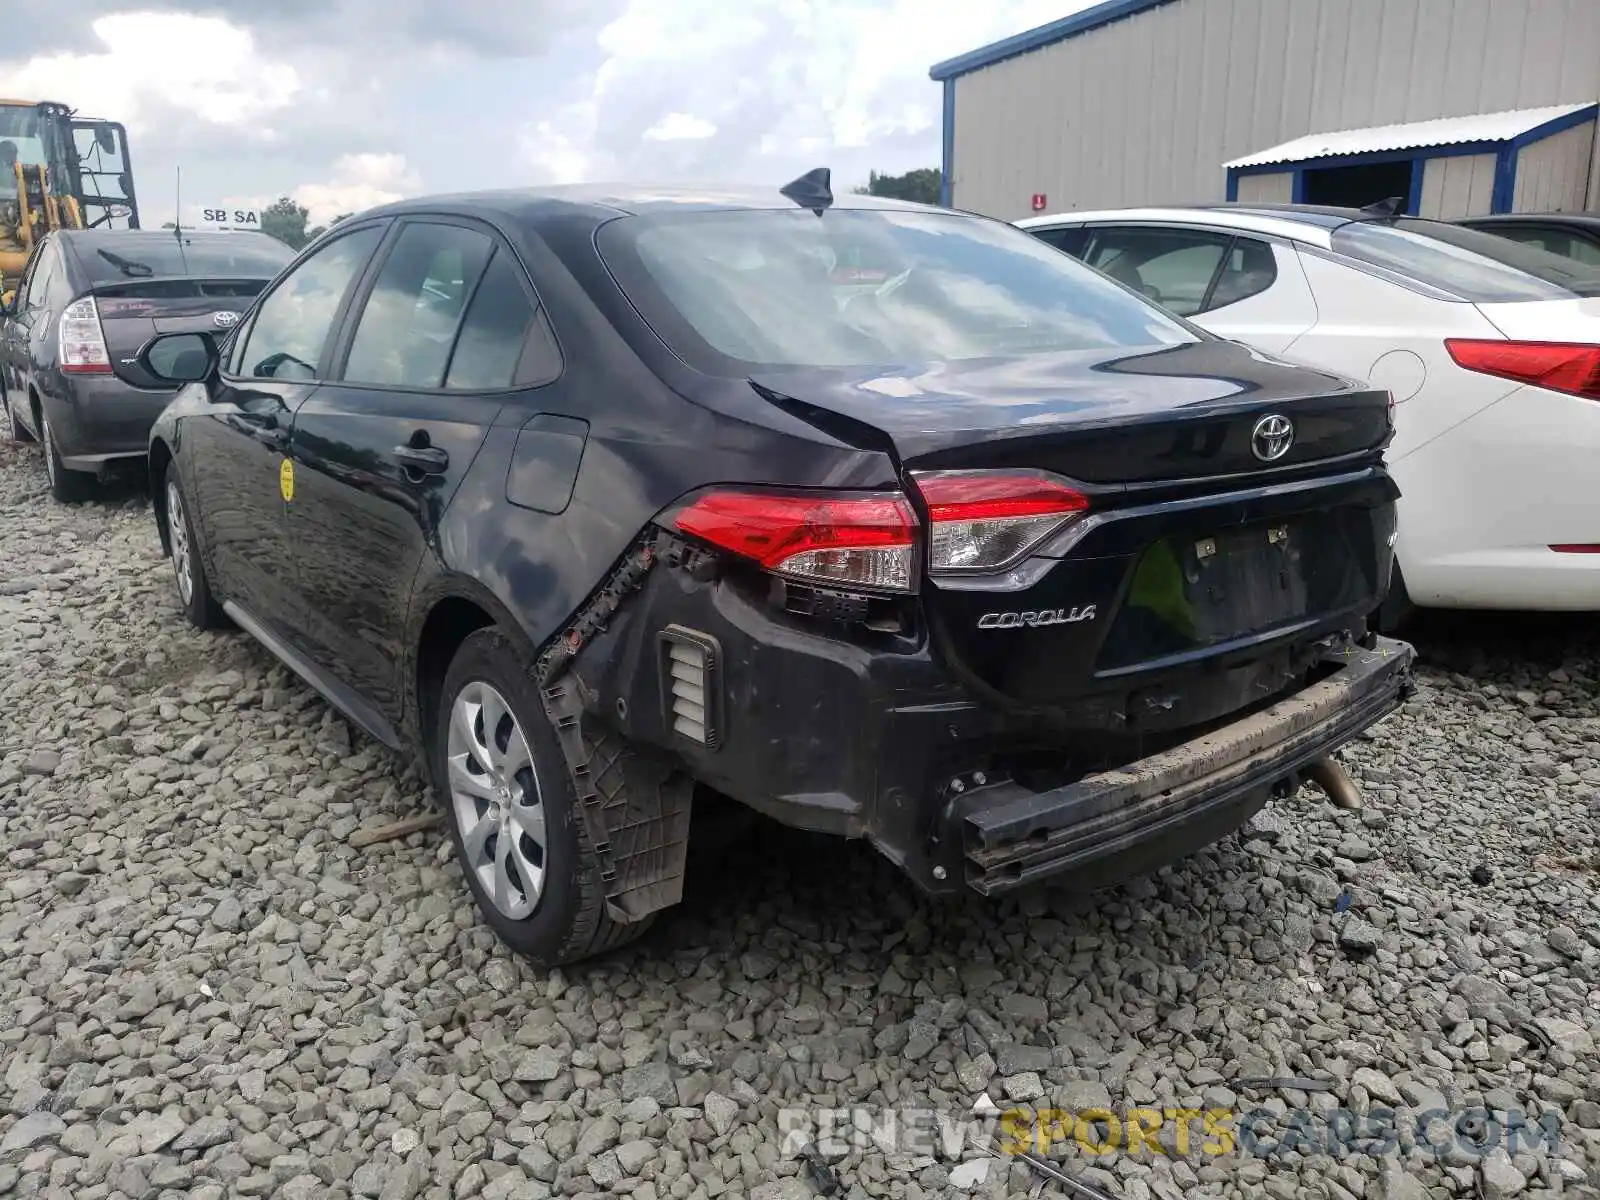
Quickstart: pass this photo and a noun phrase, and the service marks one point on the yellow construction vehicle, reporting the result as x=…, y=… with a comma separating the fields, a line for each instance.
x=58, y=171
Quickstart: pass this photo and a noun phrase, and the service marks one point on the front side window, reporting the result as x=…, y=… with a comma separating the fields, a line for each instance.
x=291, y=328
x=1479, y=267
x=408, y=325
x=859, y=288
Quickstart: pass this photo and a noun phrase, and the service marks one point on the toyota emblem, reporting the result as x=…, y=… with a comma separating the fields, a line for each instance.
x=224, y=320
x=1271, y=438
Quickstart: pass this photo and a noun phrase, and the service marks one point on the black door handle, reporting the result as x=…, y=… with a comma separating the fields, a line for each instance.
x=425, y=460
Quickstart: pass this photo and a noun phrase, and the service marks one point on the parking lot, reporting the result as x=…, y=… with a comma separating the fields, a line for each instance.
x=206, y=990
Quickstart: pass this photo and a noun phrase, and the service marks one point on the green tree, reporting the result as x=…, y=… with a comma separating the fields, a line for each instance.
x=922, y=186
x=314, y=234
x=286, y=221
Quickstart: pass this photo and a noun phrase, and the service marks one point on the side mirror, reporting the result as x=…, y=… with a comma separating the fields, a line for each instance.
x=180, y=357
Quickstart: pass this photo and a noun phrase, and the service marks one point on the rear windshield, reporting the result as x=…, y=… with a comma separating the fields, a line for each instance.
x=868, y=288
x=250, y=255
x=1475, y=266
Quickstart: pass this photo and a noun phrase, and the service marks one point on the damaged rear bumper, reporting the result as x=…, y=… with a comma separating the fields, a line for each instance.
x=1118, y=823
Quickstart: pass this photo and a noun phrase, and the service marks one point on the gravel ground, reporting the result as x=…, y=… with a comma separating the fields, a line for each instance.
x=205, y=991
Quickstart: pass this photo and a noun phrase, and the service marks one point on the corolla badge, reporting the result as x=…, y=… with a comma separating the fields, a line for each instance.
x=224, y=319
x=1033, y=620
x=1271, y=438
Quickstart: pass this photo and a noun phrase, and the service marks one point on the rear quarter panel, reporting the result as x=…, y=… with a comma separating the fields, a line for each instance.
x=1393, y=338
x=645, y=446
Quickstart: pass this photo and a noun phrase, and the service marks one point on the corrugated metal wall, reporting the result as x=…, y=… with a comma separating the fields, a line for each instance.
x=1460, y=185
x=1553, y=174
x=1274, y=188
x=1145, y=110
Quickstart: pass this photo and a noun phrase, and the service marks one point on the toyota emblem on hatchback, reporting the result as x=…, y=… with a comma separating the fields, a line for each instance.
x=224, y=319
x=1271, y=438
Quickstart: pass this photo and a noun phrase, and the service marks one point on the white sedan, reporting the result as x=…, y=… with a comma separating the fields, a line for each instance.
x=1490, y=350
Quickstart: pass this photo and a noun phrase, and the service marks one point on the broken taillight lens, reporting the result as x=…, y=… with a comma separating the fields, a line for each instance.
x=867, y=541
x=1560, y=366
x=986, y=521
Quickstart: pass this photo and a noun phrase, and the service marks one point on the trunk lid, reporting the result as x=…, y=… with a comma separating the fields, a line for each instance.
x=1575, y=320
x=1167, y=604
x=1180, y=412
x=133, y=311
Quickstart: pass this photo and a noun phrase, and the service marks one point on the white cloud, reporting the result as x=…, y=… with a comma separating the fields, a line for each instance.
x=360, y=181
x=202, y=66
x=677, y=127
x=770, y=88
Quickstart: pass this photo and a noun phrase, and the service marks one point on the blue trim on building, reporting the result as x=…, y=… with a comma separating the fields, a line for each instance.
x=1560, y=125
x=1419, y=168
x=947, y=165
x=1505, y=167
x=1233, y=185
x=1044, y=35
x=1376, y=156
x=1297, y=187
x=1505, y=179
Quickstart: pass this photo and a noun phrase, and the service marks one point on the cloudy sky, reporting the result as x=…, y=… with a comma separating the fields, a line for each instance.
x=348, y=103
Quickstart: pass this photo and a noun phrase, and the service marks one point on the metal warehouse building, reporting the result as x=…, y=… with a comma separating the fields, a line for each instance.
x=1461, y=107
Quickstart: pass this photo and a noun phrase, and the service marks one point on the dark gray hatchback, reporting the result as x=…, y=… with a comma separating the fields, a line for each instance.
x=88, y=302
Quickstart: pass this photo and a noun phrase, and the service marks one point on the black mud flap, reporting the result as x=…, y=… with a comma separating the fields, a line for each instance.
x=635, y=807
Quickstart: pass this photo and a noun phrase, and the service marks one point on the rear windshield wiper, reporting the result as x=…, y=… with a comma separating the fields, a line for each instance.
x=127, y=266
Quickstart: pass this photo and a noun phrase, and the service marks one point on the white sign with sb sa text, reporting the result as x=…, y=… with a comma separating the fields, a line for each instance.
x=224, y=217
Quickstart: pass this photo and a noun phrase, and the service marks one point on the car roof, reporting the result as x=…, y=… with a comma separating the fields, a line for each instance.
x=1297, y=222
x=602, y=201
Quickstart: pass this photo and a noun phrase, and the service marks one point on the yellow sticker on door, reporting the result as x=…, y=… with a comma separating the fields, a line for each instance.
x=286, y=479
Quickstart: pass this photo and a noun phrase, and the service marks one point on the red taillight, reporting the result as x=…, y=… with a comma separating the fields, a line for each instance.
x=1577, y=548
x=986, y=521
x=1559, y=366
x=863, y=541
x=82, y=342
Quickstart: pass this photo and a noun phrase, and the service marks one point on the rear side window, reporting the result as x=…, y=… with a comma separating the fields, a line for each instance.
x=1552, y=241
x=44, y=273
x=1173, y=267
x=1248, y=270
x=1478, y=267
x=409, y=321
x=495, y=331
x=291, y=327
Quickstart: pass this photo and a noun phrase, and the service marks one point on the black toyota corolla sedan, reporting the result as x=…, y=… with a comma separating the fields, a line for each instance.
x=883, y=520
x=88, y=300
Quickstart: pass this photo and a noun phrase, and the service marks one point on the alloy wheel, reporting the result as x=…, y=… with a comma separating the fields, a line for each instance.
x=178, y=532
x=495, y=800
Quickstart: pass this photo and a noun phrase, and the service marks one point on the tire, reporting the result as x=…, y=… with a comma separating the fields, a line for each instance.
x=66, y=485
x=1396, y=611
x=188, y=567
x=562, y=917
